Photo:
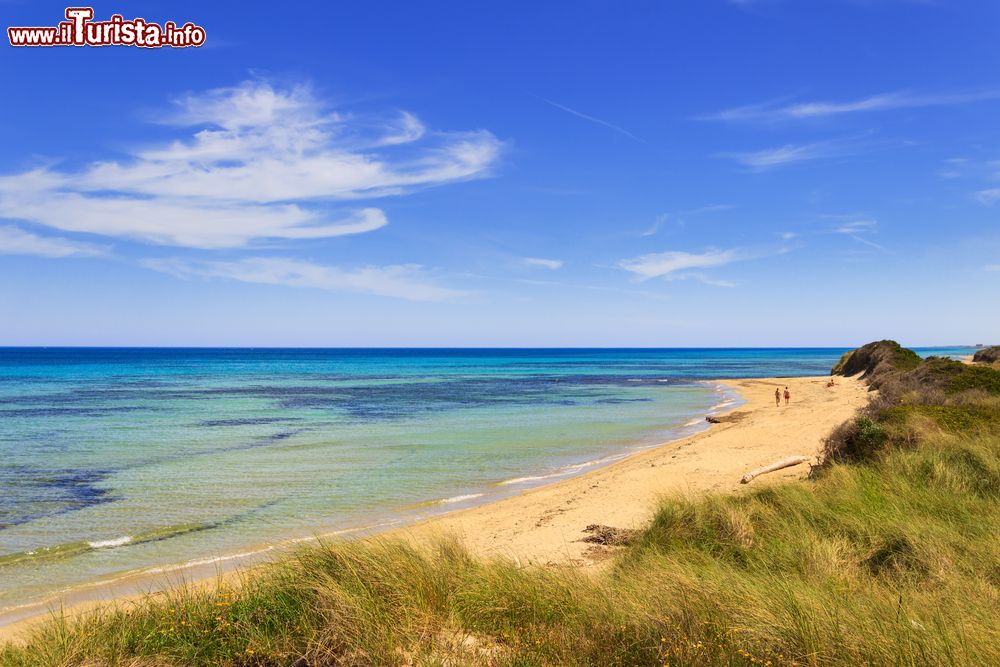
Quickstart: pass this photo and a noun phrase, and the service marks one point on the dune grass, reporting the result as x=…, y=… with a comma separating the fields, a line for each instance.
x=892, y=558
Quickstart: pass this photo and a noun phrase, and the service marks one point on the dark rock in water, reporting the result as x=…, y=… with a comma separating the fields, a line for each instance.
x=987, y=355
x=610, y=536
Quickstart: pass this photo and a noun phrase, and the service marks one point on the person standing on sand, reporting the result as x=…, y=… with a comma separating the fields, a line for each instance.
x=787, y=395
x=777, y=396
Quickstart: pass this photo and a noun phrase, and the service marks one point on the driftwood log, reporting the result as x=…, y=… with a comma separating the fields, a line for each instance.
x=777, y=465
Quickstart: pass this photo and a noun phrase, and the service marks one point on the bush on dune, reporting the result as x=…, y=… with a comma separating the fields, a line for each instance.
x=937, y=395
x=875, y=360
x=987, y=355
x=887, y=556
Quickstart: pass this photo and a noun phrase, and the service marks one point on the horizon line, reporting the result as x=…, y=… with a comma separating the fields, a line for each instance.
x=470, y=347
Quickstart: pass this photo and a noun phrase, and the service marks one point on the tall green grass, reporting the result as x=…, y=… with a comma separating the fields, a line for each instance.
x=893, y=560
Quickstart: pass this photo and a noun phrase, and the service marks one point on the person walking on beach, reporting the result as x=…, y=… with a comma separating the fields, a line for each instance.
x=777, y=396
x=787, y=395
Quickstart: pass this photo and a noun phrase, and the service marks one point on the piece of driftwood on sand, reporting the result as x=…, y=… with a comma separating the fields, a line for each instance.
x=777, y=465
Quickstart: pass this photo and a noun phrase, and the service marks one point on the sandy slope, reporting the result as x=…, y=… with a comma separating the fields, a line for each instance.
x=545, y=525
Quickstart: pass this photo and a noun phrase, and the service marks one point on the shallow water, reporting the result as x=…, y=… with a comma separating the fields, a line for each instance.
x=112, y=460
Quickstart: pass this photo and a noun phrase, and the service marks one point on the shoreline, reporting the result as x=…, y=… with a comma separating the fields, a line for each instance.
x=543, y=524
x=132, y=584
x=546, y=525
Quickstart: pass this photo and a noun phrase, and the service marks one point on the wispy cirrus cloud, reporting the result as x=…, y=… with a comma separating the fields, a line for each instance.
x=205, y=224
x=856, y=228
x=771, y=158
x=676, y=265
x=664, y=264
x=408, y=281
x=541, y=262
x=16, y=241
x=772, y=112
x=257, y=162
x=701, y=278
x=679, y=218
x=593, y=119
x=988, y=197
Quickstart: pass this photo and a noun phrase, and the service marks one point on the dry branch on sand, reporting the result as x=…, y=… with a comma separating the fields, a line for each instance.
x=777, y=465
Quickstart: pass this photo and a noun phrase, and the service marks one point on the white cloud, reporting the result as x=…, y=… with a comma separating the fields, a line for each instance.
x=988, y=197
x=250, y=104
x=401, y=281
x=880, y=102
x=551, y=264
x=789, y=154
x=677, y=219
x=259, y=163
x=655, y=227
x=182, y=222
x=702, y=278
x=407, y=128
x=662, y=264
x=14, y=241
x=857, y=226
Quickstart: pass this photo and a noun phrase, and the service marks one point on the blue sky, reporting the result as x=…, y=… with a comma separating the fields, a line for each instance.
x=768, y=172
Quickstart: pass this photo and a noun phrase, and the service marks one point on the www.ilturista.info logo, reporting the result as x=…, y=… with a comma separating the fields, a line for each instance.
x=79, y=29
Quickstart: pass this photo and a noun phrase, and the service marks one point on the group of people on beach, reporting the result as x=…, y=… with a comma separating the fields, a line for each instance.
x=788, y=394
x=777, y=396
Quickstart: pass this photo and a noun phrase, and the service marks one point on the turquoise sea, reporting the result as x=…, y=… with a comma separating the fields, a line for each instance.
x=118, y=460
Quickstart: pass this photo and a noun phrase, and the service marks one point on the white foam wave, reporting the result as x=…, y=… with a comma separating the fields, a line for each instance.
x=564, y=471
x=458, y=499
x=206, y=561
x=531, y=478
x=596, y=462
x=117, y=542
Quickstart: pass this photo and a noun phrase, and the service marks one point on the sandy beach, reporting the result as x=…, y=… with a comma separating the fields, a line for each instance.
x=546, y=525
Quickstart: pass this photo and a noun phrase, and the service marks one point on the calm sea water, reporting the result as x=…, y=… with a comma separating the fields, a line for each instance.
x=113, y=460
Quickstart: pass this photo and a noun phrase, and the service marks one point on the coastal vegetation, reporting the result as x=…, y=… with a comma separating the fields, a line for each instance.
x=887, y=555
x=987, y=355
